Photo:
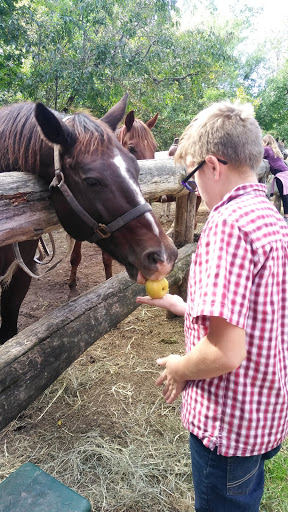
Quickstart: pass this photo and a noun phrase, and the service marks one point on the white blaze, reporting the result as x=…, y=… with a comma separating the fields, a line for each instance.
x=118, y=160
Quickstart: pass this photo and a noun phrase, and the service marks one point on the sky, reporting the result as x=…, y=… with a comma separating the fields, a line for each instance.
x=269, y=32
x=272, y=9
x=274, y=12
x=274, y=15
x=270, y=27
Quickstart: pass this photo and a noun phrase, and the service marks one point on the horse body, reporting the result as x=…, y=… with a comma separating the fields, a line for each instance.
x=135, y=136
x=102, y=179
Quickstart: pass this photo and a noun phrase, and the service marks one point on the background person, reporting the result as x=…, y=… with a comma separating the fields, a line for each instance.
x=234, y=376
x=278, y=168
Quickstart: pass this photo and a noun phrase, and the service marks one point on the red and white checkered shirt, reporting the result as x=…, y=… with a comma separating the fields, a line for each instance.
x=240, y=272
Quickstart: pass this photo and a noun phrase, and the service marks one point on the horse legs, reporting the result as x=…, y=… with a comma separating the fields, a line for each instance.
x=13, y=295
x=75, y=260
x=166, y=208
x=107, y=262
x=166, y=211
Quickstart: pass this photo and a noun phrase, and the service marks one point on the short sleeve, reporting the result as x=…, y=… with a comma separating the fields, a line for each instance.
x=221, y=275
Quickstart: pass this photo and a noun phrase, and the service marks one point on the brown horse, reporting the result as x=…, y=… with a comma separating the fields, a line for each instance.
x=94, y=189
x=135, y=136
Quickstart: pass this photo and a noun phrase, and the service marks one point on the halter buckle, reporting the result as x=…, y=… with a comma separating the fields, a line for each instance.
x=103, y=231
x=57, y=180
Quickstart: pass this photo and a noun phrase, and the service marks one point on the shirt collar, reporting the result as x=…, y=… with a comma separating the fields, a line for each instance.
x=258, y=189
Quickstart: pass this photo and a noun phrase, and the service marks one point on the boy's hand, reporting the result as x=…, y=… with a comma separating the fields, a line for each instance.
x=172, y=303
x=173, y=385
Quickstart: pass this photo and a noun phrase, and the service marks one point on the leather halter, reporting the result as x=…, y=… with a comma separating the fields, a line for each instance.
x=100, y=230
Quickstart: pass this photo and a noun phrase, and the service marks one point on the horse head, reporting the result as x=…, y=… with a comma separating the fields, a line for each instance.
x=137, y=137
x=96, y=193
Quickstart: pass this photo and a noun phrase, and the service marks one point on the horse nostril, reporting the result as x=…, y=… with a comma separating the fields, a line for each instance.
x=151, y=258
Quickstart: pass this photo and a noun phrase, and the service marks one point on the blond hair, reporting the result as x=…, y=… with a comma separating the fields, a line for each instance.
x=225, y=130
x=268, y=140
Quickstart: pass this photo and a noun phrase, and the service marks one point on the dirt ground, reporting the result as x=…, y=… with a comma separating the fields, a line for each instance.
x=109, y=391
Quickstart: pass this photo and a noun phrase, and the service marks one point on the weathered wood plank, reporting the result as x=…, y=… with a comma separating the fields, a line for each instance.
x=160, y=177
x=35, y=358
x=184, y=220
x=25, y=209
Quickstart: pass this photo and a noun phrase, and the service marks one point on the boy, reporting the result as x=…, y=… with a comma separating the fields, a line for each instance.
x=234, y=376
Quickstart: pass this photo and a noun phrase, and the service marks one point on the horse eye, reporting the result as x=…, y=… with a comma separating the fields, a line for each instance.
x=92, y=182
x=132, y=150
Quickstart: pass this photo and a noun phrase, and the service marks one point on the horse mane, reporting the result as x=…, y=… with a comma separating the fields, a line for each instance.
x=20, y=136
x=92, y=134
x=22, y=143
x=139, y=131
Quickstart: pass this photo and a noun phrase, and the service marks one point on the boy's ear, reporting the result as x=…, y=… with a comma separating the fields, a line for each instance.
x=211, y=160
x=214, y=165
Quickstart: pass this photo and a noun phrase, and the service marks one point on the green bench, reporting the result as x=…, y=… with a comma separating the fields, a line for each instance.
x=30, y=489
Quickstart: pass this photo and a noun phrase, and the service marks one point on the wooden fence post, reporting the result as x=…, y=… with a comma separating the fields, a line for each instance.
x=183, y=234
x=184, y=220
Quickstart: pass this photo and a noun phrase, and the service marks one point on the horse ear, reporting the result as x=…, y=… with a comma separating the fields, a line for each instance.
x=151, y=123
x=53, y=129
x=129, y=120
x=115, y=115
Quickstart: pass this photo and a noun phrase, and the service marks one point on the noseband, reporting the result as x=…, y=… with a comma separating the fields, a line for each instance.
x=100, y=230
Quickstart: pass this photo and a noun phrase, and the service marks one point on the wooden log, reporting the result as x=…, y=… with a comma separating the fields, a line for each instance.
x=35, y=358
x=26, y=211
x=183, y=234
x=184, y=220
x=161, y=177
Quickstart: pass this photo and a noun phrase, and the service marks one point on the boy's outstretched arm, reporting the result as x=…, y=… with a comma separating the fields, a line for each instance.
x=172, y=303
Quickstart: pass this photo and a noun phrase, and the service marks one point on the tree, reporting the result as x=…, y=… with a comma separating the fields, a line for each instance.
x=82, y=53
x=272, y=113
x=13, y=38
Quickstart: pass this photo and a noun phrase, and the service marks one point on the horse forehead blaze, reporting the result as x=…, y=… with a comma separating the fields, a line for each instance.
x=132, y=182
x=134, y=186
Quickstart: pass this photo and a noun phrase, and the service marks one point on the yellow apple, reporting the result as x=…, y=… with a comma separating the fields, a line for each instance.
x=157, y=289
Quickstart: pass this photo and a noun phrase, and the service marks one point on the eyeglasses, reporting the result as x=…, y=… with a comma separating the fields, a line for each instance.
x=191, y=185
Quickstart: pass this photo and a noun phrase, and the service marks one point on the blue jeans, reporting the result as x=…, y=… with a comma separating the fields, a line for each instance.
x=227, y=484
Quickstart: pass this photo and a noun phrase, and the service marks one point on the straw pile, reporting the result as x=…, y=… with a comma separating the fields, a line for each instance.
x=103, y=428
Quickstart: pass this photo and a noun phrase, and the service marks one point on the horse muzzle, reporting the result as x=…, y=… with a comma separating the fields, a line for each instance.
x=154, y=265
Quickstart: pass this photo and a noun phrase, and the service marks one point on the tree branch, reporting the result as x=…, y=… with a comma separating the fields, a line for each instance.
x=157, y=81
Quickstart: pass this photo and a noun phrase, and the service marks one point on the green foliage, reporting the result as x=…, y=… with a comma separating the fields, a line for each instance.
x=12, y=42
x=82, y=53
x=272, y=114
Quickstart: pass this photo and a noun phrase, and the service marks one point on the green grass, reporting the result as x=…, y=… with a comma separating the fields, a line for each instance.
x=275, y=498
